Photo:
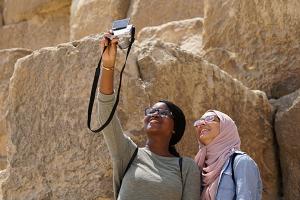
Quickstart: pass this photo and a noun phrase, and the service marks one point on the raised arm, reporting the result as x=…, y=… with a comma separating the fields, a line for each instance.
x=120, y=146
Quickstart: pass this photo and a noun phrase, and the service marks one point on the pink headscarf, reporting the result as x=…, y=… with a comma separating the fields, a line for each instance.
x=212, y=157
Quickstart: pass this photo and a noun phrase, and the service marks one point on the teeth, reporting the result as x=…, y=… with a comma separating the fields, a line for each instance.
x=204, y=131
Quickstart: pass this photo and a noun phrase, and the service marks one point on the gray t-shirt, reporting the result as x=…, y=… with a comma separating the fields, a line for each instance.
x=150, y=177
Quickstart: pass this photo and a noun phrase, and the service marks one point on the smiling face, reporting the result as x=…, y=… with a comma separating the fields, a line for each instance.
x=207, y=128
x=158, y=120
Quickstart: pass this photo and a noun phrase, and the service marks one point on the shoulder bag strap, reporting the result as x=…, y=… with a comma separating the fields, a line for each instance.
x=233, y=177
x=128, y=166
x=180, y=167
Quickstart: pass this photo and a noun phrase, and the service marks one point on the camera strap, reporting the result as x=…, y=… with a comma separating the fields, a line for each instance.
x=94, y=89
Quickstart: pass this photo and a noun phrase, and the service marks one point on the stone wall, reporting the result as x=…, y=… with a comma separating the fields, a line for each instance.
x=145, y=13
x=228, y=55
x=256, y=41
x=35, y=25
x=98, y=13
x=287, y=133
x=188, y=34
x=1, y=13
x=7, y=61
x=18, y=10
x=101, y=13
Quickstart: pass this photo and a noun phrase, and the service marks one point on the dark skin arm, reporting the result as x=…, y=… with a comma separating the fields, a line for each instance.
x=106, y=84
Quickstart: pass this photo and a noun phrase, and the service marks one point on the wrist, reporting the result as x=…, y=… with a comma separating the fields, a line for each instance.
x=107, y=68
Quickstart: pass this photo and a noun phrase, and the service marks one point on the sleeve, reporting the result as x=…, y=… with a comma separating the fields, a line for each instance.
x=191, y=182
x=120, y=146
x=248, y=181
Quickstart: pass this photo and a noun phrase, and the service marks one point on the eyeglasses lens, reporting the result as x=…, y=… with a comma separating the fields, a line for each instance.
x=209, y=118
x=152, y=111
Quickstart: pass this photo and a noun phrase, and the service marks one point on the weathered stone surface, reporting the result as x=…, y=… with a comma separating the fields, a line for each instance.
x=185, y=33
x=19, y=10
x=8, y=58
x=145, y=13
x=197, y=86
x=1, y=19
x=95, y=16
x=1, y=13
x=3, y=176
x=263, y=37
x=52, y=154
x=287, y=132
x=38, y=32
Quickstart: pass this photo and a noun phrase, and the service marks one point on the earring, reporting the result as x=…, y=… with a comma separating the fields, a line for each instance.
x=173, y=132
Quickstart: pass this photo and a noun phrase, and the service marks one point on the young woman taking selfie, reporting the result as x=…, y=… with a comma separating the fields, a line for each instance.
x=157, y=171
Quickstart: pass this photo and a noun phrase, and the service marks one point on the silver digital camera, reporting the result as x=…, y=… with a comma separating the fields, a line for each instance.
x=124, y=31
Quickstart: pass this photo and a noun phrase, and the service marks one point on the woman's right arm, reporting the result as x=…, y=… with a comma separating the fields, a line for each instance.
x=120, y=146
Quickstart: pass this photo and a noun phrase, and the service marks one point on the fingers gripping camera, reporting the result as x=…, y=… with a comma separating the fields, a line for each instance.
x=124, y=31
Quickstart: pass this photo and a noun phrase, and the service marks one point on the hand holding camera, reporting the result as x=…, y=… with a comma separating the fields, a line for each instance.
x=109, y=55
x=122, y=34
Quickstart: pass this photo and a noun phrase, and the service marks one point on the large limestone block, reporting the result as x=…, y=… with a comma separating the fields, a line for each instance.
x=262, y=39
x=38, y=32
x=184, y=33
x=3, y=176
x=1, y=19
x=8, y=58
x=1, y=13
x=287, y=132
x=94, y=16
x=196, y=86
x=19, y=10
x=52, y=154
x=145, y=13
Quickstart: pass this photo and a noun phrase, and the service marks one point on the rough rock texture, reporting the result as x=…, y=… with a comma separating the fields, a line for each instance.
x=287, y=132
x=197, y=86
x=3, y=176
x=185, y=33
x=1, y=13
x=98, y=13
x=52, y=154
x=40, y=31
x=145, y=13
x=263, y=39
x=7, y=61
x=1, y=19
x=19, y=10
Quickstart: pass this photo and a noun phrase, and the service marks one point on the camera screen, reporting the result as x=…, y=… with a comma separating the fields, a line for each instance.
x=120, y=24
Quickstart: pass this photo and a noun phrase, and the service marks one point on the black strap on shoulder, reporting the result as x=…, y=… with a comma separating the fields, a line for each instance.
x=180, y=167
x=233, y=177
x=128, y=166
x=94, y=89
x=232, y=162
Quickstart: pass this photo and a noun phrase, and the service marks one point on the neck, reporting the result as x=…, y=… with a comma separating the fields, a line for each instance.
x=159, y=147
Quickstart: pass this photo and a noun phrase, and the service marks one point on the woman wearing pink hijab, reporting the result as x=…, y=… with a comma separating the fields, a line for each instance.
x=227, y=172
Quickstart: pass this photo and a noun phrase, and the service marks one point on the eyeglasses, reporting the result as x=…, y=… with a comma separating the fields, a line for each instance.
x=149, y=112
x=209, y=118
